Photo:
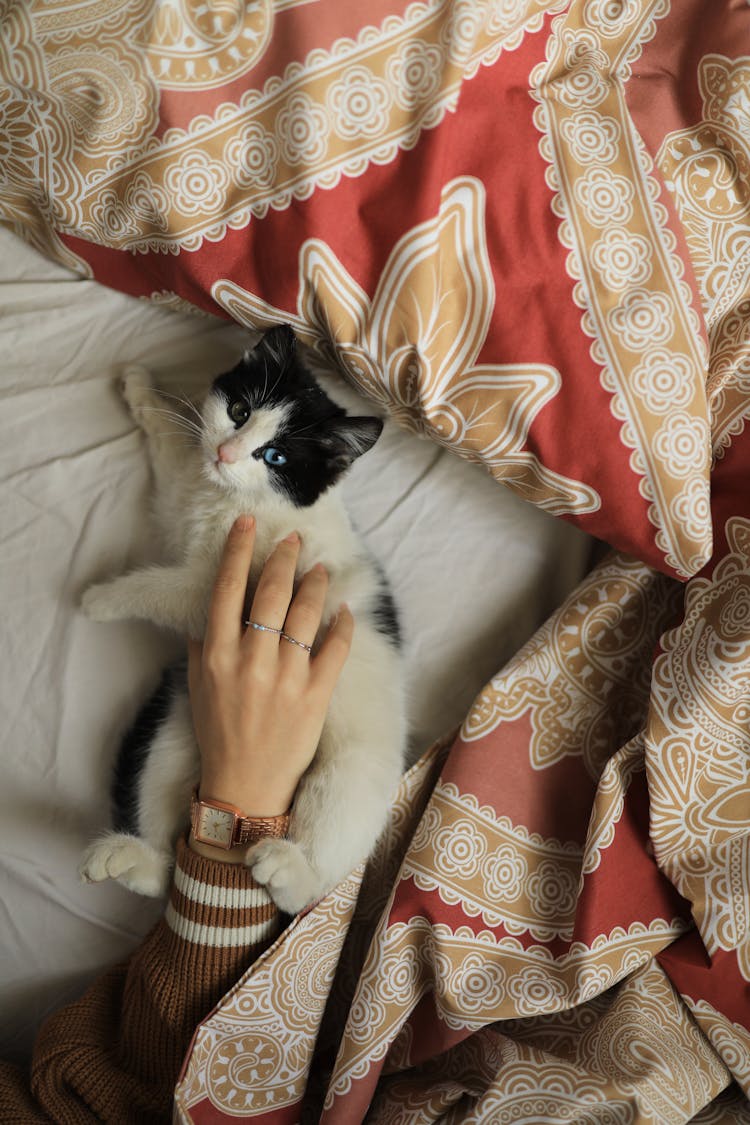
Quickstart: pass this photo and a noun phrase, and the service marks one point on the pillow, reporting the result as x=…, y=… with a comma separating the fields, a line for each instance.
x=451, y=202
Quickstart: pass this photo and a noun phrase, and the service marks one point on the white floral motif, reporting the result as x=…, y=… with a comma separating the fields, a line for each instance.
x=197, y=184
x=147, y=202
x=611, y=17
x=663, y=379
x=691, y=506
x=459, y=849
x=504, y=871
x=682, y=440
x=505, y=13
x=534, y=991
x=734, y=618
x=252, y=156
x=552, y=890
x=113, y=216
x=359, y=104
x=592, y=137
x=476, y=984
x=415, y=73
x=605, y=197
x=622, y=258
x=462, y=29
x=402, y=974
x=585, y=82
x=303, y=128
x=643, y=318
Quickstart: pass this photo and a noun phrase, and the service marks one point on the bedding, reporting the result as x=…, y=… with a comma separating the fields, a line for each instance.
x=449, y=196
x=74, y=507
x=522, y=229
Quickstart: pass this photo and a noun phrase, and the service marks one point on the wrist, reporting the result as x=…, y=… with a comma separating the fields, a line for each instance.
x=261, y=800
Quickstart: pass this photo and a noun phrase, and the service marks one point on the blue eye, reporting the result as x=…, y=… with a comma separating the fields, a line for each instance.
x=274, y=457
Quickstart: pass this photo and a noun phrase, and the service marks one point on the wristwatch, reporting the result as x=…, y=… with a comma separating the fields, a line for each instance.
x=224, y=826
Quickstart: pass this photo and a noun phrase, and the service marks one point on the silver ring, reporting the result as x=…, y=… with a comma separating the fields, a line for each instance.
x=261, y=628
x=294, y=641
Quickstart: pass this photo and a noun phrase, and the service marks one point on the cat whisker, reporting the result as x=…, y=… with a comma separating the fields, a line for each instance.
x=185, y=401
x=186, y=424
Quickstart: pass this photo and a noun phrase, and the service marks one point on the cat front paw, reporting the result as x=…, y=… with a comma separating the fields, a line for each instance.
x=283, y=869
x=129, y=860
x=99, y=604
x=137, y=389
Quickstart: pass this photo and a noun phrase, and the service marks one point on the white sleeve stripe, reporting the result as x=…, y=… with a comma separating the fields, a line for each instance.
x=219, y=937
x=231, y=898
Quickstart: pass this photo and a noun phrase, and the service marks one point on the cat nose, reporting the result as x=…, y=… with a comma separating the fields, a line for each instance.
x=227, y=452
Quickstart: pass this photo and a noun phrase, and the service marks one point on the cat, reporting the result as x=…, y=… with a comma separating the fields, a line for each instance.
x=290, y=446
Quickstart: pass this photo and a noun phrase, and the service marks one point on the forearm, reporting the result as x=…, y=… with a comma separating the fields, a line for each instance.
x=116, y=1053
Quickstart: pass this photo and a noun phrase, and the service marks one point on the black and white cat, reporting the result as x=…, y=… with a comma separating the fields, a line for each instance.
x=284, y=447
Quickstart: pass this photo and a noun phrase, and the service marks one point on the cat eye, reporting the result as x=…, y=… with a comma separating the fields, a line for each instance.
x=274, y=457
x=238, y=411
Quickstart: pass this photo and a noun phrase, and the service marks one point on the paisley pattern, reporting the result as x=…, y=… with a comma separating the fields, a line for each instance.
x=698, y=745
x=169, y=129
x=583, y=679
x=502, y=226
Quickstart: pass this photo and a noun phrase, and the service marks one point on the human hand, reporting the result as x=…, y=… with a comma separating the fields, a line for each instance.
x=258, y=701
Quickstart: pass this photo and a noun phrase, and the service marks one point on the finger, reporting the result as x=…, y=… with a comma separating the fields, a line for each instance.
x=303, y=619
x=332, y=655
x=230, y=585
x=274, y=591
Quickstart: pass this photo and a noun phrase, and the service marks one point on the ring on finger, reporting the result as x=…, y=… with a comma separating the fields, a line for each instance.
x=261, y=628
x=294, y=641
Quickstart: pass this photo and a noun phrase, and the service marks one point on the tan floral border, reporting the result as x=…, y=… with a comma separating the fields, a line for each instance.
x=629, y=280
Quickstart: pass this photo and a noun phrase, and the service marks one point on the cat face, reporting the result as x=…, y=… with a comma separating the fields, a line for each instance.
x=269, y=429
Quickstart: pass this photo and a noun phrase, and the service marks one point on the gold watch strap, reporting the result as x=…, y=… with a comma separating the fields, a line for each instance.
x=247, y=829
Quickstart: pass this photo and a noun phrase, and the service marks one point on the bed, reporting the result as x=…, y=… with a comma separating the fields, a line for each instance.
x=520, y=231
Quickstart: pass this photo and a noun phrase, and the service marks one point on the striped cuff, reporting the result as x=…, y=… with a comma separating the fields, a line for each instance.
x=219, y=905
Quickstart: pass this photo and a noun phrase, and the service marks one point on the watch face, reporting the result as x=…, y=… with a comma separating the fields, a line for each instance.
x=215, y=826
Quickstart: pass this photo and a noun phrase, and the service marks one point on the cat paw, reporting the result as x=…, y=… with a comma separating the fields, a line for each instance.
x=130, y=861
x=138, y=390
x=97, y=603
x=282, y=868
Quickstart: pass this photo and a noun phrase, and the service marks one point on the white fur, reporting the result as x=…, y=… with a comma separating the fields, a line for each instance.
x=342, y=801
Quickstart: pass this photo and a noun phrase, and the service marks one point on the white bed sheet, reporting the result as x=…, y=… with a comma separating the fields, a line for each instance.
x=73, y=510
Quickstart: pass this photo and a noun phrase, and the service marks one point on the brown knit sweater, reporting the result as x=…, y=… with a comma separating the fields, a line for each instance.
x=116, y=1053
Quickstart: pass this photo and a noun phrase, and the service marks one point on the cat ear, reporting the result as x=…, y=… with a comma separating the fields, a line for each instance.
x=350, y=437
x=278, y=345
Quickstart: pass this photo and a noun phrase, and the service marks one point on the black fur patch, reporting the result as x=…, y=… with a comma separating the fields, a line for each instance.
x=135, y=746
x=385, y=617
x=319, y=440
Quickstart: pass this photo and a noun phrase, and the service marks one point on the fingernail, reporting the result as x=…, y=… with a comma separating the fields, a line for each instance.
x=245, y=523
x=292, y=538
x=320, y=569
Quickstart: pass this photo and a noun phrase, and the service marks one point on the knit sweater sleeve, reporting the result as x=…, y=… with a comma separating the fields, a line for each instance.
x=115, y=1054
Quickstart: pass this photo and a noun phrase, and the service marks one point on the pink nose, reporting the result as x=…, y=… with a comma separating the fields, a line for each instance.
x=227, y=452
